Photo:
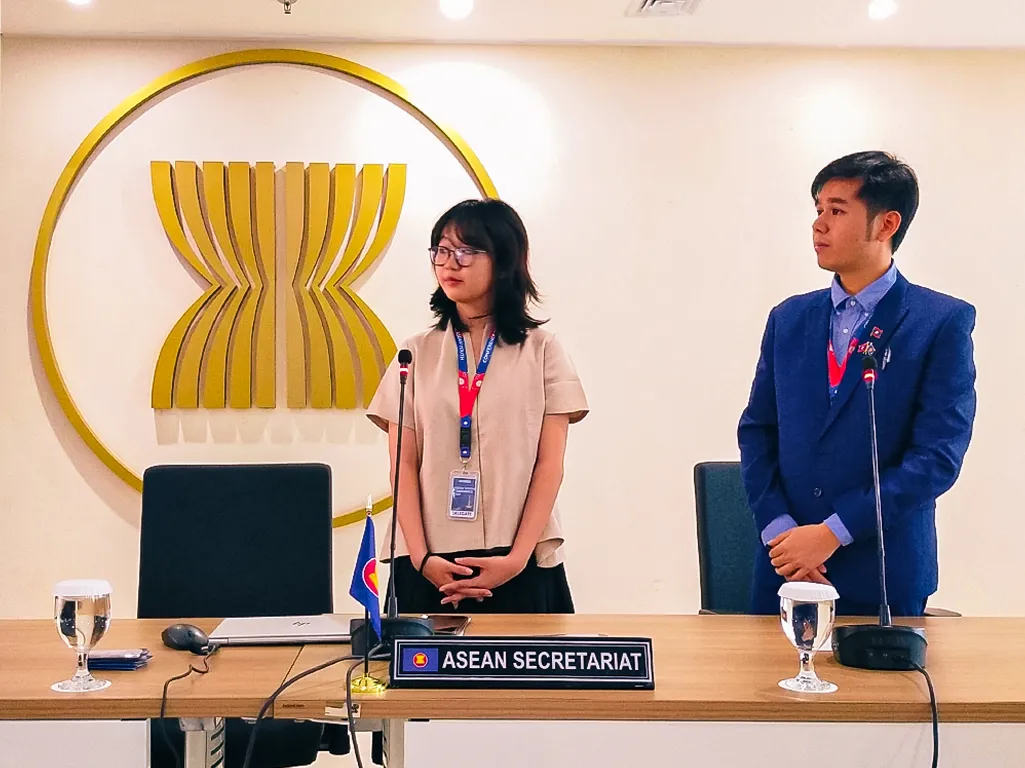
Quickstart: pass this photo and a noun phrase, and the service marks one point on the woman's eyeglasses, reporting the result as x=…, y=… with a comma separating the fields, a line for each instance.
x=464, y=256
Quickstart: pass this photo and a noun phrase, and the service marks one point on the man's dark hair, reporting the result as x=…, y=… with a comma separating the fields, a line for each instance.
x=887, y=184
x=492, y=226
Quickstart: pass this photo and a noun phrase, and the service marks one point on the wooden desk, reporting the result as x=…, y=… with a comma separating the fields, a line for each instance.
x=716, y=668
x=707, y=668
x=32, y=658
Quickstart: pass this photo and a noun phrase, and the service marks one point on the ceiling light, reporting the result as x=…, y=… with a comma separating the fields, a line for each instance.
x=456, y=9
x=80, y=2
x=882, y=9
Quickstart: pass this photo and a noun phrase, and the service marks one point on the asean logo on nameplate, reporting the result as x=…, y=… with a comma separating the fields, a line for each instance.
x=420, y=659
x=281, y=253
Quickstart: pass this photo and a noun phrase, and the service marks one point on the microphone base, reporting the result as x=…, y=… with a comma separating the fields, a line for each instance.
x=400, y=626
x=871, y=646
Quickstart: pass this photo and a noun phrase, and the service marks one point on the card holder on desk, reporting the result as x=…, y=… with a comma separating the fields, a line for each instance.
x=119, y=660
x=445, y=624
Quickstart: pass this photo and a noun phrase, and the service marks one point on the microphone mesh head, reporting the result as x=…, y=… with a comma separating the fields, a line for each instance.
x=868, y=363
x=405, y=357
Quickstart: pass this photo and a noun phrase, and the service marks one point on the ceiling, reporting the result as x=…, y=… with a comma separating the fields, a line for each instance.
x=918, y=23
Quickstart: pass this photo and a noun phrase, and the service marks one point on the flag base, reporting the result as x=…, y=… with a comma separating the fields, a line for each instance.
x=368, y=684
x=365, y=639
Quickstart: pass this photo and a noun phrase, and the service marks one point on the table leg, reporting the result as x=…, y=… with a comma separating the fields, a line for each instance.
x=394, y=744
x=204, y=741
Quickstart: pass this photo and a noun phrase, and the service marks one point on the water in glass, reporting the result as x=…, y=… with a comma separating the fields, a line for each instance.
x=808, y=625
x=81, y=612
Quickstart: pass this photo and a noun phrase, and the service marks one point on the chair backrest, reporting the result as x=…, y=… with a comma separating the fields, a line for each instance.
x=235, y=540
x=727, y=537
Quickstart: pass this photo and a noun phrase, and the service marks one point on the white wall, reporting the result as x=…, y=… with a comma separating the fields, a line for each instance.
x=666, y=194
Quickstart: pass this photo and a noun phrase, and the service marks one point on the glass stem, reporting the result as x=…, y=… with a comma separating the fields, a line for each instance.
x=807, y=668
x=83, y=665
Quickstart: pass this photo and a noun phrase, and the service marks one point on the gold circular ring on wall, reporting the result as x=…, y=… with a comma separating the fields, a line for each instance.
x=363, y=76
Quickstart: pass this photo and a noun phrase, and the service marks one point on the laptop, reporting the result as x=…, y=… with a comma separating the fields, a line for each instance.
x=283, y=630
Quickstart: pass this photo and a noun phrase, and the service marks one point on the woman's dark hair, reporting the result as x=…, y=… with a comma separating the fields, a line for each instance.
x=887, y=184
x=492, y=226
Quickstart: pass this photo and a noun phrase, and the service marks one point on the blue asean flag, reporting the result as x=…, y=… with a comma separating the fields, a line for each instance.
x=364, y=578
x=419, y=659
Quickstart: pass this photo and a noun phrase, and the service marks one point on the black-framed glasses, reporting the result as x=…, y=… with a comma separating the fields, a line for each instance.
x=464, y=256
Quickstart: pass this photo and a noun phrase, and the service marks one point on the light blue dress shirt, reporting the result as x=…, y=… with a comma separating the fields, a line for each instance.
x=850, y=313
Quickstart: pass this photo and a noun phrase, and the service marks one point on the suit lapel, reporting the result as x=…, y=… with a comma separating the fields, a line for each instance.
x=877, y=331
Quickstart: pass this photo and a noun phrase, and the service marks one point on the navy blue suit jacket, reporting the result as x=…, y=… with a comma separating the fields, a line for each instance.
x=807, y=457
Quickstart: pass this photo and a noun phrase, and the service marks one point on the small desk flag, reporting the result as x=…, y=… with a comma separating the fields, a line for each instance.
x=364, y=578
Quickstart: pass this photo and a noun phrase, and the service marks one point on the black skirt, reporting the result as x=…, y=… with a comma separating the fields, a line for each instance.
x=534, y=590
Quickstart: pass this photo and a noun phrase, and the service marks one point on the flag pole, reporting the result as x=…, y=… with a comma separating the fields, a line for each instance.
x=366, y=683
x=366, y=644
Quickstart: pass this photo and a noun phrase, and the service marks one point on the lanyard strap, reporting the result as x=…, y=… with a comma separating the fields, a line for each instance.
x=836, y=368
x=468, y=390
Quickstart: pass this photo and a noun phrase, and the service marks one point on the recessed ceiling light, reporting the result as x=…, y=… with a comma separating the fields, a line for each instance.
x=456, y=9
x=80, y=2
x=882, y=9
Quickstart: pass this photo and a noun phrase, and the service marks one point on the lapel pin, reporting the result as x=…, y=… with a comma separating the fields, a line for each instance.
x=868, y=348
x=877, y=332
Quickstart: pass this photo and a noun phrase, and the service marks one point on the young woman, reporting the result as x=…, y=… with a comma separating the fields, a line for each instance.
x=489, y=400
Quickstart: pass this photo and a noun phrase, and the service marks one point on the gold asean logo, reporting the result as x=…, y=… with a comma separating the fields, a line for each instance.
x=338, y=223
x=222, y=219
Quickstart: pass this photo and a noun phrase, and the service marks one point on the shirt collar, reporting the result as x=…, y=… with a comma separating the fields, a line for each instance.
x=869, y=296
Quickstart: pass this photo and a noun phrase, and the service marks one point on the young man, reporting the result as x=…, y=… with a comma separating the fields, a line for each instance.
x=804, y=437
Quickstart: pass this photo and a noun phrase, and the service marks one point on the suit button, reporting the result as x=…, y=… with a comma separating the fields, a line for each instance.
x=818, y=493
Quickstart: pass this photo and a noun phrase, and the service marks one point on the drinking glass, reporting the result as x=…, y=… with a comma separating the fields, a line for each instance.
x=807, y=612
x=81, y=611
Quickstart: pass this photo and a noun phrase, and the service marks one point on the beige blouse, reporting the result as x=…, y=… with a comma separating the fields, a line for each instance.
x=522, y=385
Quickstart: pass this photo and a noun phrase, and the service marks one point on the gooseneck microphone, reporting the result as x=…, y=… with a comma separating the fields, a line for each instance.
x=393, y=625
x=405, y=358
x=868, y=375
x=883, y=646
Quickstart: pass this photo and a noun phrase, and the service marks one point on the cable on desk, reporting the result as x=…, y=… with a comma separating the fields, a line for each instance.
x=163, y=701
x=935, y=714
x=348, y=700
x=294, y=679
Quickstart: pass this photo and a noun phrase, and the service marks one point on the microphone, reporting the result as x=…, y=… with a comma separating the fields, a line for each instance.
x=868, y=375
x=868, y=372
x=883, y=646
x=405, y=358
x=393, y=625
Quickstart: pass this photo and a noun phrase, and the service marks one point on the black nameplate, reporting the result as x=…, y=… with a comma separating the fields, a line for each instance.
x=594, y=663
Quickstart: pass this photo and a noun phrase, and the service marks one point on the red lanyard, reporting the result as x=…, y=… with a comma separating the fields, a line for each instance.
x=836, y=370
x=468, y=390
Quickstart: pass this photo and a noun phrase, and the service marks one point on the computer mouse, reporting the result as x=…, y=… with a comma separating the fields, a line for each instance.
x=186, y=637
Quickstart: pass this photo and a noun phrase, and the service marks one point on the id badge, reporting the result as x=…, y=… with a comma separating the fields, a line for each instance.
x=462, y=498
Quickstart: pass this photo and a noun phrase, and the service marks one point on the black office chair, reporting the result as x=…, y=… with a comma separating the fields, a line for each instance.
x=728, y=540
x=239, y=540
